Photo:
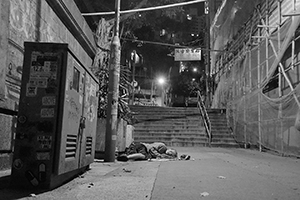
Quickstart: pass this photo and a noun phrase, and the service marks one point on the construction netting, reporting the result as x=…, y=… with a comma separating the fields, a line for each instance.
x=258, y=75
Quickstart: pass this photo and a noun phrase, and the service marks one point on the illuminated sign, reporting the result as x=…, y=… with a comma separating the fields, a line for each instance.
x=187, y=54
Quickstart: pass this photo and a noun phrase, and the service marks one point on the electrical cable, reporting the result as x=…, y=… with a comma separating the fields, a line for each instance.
x=168, y=44
x=144, y=9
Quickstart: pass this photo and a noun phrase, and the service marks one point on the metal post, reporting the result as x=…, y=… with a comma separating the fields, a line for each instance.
x=207, y=67
x=113, y=93
x=151, y=93
x=133, y=61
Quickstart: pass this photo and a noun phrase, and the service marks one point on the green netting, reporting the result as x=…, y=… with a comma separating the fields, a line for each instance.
x=262, y=103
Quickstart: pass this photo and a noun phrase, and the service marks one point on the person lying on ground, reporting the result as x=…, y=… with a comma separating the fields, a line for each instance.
x=145, y=151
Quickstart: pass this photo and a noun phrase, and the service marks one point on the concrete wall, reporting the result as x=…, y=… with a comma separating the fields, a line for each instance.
x=38, y=21
x=124, y=137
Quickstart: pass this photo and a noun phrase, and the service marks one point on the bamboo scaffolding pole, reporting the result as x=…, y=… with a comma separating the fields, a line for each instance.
x=266, y=38
x=259, y=97
x=283, y=47
x=293, y=41
x=280, y=72
x=280, y=105
x=293, y=53
x=250, y=78
x=245, y=107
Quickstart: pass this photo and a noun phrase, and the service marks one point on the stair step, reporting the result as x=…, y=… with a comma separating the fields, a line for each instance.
x=145, y=127
x=233, y=145
x=166, y=122
x=220, y=132
x=167, y=127
x=183, y=134
x=164, y=117
x=221, y=136
x=157, y=119
x=170, y=131
x=177, y=138
x=178, y=143
x=225, y=140
x=180, y=126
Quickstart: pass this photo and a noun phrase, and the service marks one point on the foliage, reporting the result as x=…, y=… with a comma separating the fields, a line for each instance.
x=188, y=81
x=144, y=26
x=154, y=19
x=101, y=70
x=103, y=36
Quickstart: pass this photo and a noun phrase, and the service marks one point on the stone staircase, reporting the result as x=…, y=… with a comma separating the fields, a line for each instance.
x=175, y=126
x=180, y=126
x=221, y=134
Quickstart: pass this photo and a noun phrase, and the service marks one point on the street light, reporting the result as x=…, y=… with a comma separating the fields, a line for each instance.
x=158, y=81
x=161, y=80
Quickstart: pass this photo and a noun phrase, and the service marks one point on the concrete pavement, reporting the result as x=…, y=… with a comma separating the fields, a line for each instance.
x=212, y=173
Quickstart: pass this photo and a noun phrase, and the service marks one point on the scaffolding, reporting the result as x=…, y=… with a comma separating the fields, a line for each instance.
x=258, y=71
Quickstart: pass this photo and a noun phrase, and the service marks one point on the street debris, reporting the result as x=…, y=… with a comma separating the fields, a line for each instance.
x=90, y=185
x=204, y=194
x=221, y=177
x=185, y=157
x=32, y=195
x=126, y=170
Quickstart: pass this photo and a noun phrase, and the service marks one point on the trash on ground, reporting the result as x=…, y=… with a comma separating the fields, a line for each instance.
x=185, y=157
x=221, y=177
x=90, y=185
x=126, y=170
x=204, y=194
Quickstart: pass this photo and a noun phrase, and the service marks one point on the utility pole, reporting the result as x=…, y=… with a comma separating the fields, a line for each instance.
x=113, y=91
x=207, y=66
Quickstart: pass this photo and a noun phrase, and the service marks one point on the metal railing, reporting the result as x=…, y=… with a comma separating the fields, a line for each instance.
x=205, y=117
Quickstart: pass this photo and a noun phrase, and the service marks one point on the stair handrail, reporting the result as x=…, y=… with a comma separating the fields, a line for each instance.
x=205, y=117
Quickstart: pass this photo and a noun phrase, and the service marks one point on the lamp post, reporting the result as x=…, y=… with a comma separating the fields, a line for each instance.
x=113, y=93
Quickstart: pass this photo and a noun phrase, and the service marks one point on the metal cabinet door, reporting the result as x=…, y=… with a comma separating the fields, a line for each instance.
x=90, y=105
x=72, y=109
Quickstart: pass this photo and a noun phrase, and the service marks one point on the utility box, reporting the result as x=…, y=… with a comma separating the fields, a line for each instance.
x=57, y=118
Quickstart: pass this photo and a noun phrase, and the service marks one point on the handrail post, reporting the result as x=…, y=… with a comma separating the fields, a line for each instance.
x=205, y=117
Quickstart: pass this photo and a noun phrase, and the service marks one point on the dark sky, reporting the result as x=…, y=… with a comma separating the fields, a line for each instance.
x=156, y=59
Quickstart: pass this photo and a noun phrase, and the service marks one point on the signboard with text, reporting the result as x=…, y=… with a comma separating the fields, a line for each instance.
x=187, y=54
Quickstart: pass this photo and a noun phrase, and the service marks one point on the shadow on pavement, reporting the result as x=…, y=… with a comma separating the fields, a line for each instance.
x=7, y=192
